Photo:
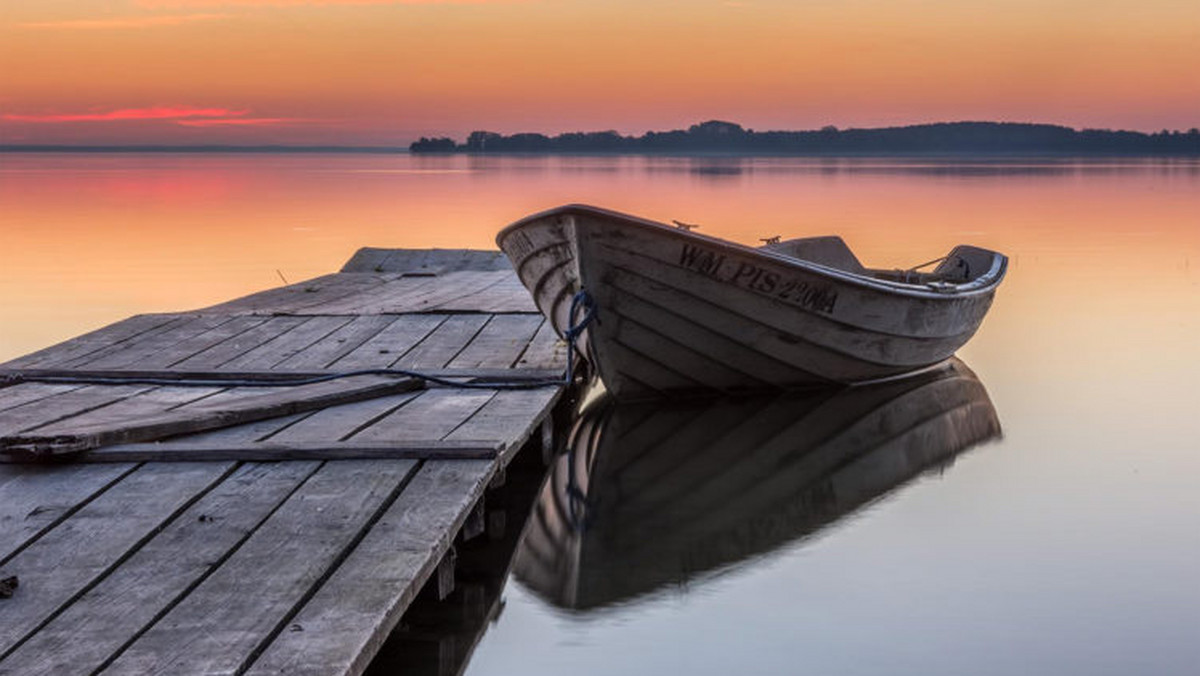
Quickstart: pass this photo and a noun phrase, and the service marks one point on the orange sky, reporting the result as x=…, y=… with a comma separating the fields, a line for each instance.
x=387, y=71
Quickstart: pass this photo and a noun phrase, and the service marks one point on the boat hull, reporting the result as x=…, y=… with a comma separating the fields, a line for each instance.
x=679, y=312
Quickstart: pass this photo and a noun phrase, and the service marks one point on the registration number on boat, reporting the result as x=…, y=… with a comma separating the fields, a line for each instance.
x=747, y=275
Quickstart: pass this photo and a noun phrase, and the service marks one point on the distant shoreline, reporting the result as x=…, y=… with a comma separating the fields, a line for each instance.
x=942, y=139
x=299, y=150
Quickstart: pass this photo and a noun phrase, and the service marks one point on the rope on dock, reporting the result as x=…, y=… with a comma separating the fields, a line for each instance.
x=581, y=300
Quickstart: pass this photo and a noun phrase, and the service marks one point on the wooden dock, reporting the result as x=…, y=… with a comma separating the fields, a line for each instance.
x=247, y=530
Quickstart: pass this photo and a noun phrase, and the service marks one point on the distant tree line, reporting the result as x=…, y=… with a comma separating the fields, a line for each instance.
x=946, y=137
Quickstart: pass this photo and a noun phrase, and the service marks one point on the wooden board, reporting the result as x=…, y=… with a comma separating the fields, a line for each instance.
x=78, y=553
x=341, y=627
x=64, y=437
x=124, y=331
x=250, y=599
x=91, y=630
x=268, y=451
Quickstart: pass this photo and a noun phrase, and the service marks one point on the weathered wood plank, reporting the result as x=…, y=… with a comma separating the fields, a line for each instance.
x=272, y=451
x=151, y=402
x=73, y=402
x=436, y=261
x=499, y=343
x=454, y=287
x=244, y=342
x=92, y=629
x=293, y=297
x=390, y=295
x=430, y=416
x=545, y=350
x=16, y=395
x=35, y=497
x=343, y=625
x=199, y=343
x=444, y=344
x=64, y=437
x=291, y=343
x=329, y=349
x=221, y=624
x=225, y=378
x=126, y=330
x=390, y=344
x=512, y=416
x=507, y=295
x=81, y=550
x=148, y=344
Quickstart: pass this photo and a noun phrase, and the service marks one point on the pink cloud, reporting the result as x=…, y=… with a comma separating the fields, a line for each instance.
x=153, y=113
x=124, y=22
x=236, y=121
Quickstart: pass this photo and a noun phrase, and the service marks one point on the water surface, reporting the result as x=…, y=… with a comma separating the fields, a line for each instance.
x=1066, y=545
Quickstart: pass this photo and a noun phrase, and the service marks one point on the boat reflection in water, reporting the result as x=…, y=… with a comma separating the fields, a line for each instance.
x=652, y=495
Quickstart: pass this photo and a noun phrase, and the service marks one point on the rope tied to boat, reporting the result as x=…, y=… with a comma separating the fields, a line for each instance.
x=581, y=299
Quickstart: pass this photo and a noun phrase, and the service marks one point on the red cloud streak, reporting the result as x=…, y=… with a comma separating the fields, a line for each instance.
x=154, y=113
x=246, y=121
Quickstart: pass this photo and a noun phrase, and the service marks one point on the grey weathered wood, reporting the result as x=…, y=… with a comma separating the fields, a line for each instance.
x=389, y=345
x=444, y=343
x=545, y=350
x=457, y=289
x=332, y=347
x=198, y=343
x=149, y=344
x=33, y=498
x=12, y=396
x=293, y=298
x=124, y=331
x=512, y=415
x=499, y=343
x=64, y=437
x=430, y=261
x=244, y=604
x=81, y=550
x=391, y=294
x=151, y=402
x=44, y=411
x=236, y=346
x=290, y=343
x=347, y=620
x=92, y=629
x=433, y=415
x=271, y=451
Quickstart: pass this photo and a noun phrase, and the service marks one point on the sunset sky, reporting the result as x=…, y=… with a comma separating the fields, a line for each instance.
x=383, y=72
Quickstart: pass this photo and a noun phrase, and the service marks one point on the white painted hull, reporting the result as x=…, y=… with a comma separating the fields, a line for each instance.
x=679, y=312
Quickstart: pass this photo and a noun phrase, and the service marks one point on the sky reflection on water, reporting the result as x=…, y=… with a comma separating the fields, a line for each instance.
x=1069, y=546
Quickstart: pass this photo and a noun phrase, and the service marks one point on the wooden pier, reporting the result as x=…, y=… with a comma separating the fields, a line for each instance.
x=231, y=529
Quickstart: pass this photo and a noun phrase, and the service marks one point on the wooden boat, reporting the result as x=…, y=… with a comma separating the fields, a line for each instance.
x=677, y=311
x=651, y=496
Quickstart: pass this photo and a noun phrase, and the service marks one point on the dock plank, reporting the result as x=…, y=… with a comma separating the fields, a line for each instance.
x=499, y=343
x=35, y=497
x=12, y=396
x=389, y=345
x=545, y=350
x=291, y=343
x=124, y=331
x=512, y=416
x=248, y=600
x=80, y=551
x=210, y=413
x=236, y=346
x=323, y=353
x=31, y=415
x=132, y=352
x=92, y=630
x=444, y=343
x=198, y=343
x=432, y=416
x=346, y=621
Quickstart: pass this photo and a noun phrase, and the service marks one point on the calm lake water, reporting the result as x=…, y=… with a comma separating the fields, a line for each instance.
x=1068, y=543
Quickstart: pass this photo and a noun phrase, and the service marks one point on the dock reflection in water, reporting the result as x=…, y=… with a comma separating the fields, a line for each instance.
x=653, y=495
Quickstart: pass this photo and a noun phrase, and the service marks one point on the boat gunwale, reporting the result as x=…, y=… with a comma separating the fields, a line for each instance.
x=983, y=284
